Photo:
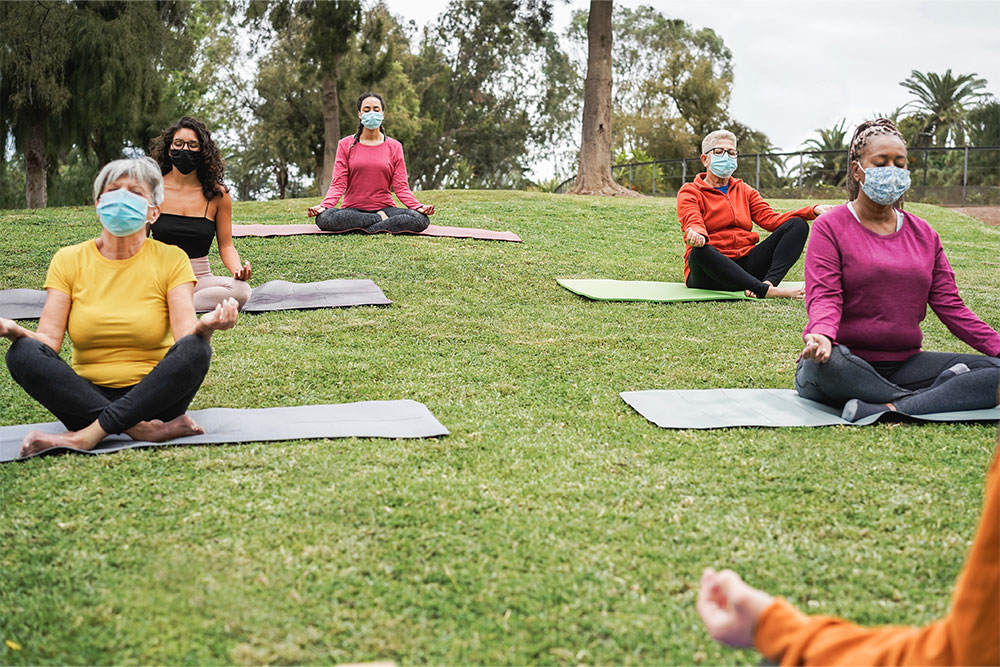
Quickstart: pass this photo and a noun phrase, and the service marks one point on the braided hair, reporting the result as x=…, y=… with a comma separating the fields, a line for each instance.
x=865, y=131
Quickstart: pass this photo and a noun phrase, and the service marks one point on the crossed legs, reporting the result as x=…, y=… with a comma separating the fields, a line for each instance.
x=389, y=219
x=151, y=410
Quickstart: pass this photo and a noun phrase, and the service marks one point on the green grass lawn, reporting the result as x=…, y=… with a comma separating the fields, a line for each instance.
x=554, y=524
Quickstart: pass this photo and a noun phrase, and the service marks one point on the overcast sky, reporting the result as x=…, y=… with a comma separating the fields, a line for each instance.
x=804, y=64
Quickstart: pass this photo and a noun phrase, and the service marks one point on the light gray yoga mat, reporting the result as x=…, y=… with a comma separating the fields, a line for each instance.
x=21, y=304
x=26, y=304
x=367, y=419
x=726, y=408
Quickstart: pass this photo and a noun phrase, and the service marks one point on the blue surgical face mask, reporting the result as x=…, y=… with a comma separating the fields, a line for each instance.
x=122, y=212
x=372, y=119
x=885, y=185
x=723, y=165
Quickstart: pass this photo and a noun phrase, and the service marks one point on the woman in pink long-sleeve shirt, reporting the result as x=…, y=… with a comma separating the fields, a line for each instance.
x=871, y=271
x=368, y=168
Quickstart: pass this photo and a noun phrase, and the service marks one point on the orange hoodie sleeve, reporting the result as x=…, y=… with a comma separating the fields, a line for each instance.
x=762, y=213
x=689, y=210
x=968, y=635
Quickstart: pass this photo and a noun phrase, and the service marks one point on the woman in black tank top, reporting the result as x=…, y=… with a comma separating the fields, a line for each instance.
x=196, y=209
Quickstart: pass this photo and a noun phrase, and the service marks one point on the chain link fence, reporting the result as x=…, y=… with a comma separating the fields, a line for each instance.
x=961, y=175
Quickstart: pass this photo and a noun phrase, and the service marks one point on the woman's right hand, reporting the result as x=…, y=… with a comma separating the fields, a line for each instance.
x=223, y=317
x=818, y=348
x=694, y=239
x=313, y=211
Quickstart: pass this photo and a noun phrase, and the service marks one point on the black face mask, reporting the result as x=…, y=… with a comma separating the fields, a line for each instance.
x=186, y=161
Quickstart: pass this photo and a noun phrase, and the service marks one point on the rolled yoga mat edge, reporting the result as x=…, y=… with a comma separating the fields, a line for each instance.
x=598, y=289
x=365, y=419
x=772, y=408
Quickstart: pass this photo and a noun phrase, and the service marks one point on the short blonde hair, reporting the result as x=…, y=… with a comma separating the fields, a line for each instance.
x=142, y=169
x=712, y=138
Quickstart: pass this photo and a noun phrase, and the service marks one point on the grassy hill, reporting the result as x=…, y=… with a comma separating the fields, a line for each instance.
x=554, y=525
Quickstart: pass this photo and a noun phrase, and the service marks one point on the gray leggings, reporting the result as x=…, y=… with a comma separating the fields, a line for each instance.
x=350, y=219
x=913, y=386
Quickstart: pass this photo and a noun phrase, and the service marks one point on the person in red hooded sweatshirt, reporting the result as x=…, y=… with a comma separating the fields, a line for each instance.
x=717, y=213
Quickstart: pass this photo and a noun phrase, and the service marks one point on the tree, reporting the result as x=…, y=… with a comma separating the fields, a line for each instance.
x=827, y=168
x=491, y=81
x=329, y=26
x=942, y=101
x=594, y=173
x=80, y=73
x=984, y=123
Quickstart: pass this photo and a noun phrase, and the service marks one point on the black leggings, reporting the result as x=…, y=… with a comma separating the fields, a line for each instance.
x=348, y=219
x=164, y=393
x=913, y=386
x=769, y=260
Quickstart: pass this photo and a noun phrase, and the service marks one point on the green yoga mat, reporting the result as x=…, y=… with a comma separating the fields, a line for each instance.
x=646, y=290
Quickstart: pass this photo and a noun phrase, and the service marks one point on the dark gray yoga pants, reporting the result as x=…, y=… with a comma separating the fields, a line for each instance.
x=164, y=393
x=349, y=219
x=769, y=260
x=906, y=385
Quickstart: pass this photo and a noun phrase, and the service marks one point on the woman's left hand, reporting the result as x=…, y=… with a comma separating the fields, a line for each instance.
x=243, y=273
x=820, y=209
x=426, y=209
x=223, y=317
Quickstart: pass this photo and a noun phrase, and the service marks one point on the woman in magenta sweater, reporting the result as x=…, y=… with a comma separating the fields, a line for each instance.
x=368, y=168
x=871, y=271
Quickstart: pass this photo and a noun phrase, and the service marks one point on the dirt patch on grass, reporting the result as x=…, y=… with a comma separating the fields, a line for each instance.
x=988, y=214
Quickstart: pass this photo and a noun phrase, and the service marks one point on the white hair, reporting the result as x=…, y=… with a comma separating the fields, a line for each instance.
x=712, y=138
x=143, y=169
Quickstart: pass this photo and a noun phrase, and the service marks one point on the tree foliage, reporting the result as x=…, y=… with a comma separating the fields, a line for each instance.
x=942, y=102
x=87, y=74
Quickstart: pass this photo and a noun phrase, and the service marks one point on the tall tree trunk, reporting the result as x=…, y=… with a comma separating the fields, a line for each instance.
x=35, y=187
x=594, y=173
x=331, y=124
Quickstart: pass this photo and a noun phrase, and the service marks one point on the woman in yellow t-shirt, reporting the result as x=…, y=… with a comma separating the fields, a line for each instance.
x=139, y=351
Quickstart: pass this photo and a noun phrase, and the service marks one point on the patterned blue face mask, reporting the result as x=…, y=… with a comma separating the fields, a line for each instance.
x=885, y=185
x=122, y=212
x=372, y=119
x=723, y=165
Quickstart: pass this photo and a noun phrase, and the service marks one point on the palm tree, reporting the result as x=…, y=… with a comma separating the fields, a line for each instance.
x=942, y=102
x=827, y=168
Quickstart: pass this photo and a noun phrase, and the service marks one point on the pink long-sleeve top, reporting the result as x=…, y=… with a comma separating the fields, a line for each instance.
x=366, y=176
x=870, y=291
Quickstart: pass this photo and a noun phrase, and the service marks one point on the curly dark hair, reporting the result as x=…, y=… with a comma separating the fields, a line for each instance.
x=865, y=131
x=211, y=169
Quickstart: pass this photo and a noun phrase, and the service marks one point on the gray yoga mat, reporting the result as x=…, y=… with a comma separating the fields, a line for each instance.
x=26, y=304
x=367, y=419
x=21, y=304
x=726, y=408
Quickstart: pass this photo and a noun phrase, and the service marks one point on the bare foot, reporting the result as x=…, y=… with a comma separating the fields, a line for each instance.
x=383, y=215
x=37, y=441
x=155, y=430
x=784, y=292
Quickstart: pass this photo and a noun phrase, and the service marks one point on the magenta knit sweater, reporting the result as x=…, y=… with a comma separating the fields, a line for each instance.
x=364, y=175
x=870, y=292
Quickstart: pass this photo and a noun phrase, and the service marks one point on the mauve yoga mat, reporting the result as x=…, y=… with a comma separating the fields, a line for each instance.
x=726, y=408
x=367, y=419
x=644, y=290
x=26, y=304
x=433, y=230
